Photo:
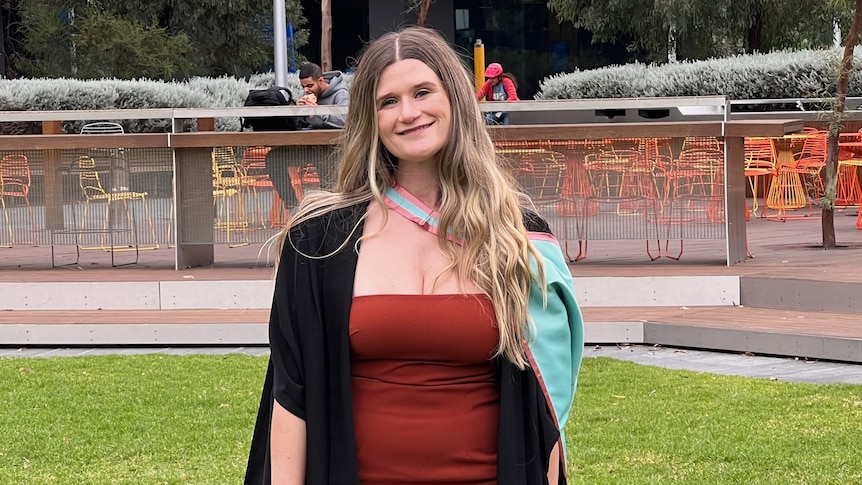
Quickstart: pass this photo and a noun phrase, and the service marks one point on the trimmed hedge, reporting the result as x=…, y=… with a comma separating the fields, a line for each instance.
x=785, y=74
x=72, y=94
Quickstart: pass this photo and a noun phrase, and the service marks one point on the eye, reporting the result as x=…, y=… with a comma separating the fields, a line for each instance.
x=422, y=92
x=387, y=102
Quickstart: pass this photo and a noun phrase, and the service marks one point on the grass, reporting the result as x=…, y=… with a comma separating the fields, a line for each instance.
x=159, y=419
x=150, y=419
x=635, y=424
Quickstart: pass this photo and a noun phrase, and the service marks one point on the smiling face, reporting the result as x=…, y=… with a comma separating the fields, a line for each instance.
x=414, y=114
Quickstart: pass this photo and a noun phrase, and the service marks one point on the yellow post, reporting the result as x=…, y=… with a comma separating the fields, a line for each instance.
x=479, y=63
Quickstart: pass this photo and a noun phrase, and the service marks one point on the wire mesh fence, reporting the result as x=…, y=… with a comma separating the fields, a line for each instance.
x=125, y=199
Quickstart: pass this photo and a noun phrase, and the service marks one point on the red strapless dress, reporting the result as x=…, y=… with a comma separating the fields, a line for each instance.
x=425, y=392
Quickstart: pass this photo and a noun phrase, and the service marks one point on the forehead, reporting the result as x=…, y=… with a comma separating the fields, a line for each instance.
x=307, y=80
x=405, y=74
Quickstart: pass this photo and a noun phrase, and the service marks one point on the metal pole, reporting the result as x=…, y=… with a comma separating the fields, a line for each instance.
x=479, y=63
x=279, y=40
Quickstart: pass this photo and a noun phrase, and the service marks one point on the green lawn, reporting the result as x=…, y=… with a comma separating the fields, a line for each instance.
x=158, y=419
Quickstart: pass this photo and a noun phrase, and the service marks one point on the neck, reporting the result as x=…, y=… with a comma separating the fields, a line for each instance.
x=422, y=184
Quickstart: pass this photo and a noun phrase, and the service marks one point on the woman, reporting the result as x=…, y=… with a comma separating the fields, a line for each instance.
x=499, y=86
x=399, y=349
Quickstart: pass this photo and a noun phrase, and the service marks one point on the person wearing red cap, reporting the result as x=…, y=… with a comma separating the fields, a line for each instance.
x=499, y=86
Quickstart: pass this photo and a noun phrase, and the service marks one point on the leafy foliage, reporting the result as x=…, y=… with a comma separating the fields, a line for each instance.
x=229, y=37
x=706, y=28
x=160, y=39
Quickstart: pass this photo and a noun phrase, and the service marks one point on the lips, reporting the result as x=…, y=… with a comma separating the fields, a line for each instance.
x=414, y=130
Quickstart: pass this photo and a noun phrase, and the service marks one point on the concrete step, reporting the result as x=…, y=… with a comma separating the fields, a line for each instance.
x=620, y=291
x=257, y=294
x=799, y=333
x=790, y=332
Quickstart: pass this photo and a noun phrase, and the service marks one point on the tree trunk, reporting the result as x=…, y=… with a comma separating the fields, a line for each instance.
x=755, y=29
x=326, y=35
x=835, y=126
x=423, y=13
x=4, y=60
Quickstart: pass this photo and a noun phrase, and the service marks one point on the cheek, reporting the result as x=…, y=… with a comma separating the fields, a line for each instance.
x=385, y=126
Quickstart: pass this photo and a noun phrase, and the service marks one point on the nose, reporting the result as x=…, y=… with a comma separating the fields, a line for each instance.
x=307, y=90
x=409, y=111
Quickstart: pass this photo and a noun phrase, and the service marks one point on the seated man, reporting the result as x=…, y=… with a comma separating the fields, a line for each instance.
x=321, y=89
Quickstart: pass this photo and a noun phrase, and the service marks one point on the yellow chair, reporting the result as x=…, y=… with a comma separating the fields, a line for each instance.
x=118, y=215
x=229, y=182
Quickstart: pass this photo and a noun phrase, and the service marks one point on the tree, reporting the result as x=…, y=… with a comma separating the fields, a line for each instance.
x=158, y=38
x=704, y=28
x=326, y=35
x=88, y=43
x=228, y=37
x=827, y=220
x=422, y=6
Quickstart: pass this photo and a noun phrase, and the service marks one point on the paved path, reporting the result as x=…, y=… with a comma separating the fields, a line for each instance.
x=774, y=368
x=787, y=369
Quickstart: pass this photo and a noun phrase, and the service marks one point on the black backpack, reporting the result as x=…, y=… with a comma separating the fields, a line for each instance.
x=274, y=96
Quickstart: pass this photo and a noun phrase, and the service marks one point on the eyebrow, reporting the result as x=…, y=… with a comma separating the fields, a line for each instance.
x=423, y=84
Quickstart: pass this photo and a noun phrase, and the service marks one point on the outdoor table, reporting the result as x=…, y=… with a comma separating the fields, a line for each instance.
x=786, y=190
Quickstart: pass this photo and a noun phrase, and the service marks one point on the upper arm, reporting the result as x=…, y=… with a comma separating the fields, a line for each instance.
x=511, y=92
x=342, y=97
x=558, y=339
x=285, y=334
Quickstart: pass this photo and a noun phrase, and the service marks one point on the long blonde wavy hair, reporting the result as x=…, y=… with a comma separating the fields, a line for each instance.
x=478, y=200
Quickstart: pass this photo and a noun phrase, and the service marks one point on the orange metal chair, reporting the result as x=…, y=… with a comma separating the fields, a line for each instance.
x=810, y=161
x=694, y=142
x=253, y=167
x=15, y=182
x=622, y=183
x=849, y=189
x=759, y=167
x=575, y=193
x=694, y=193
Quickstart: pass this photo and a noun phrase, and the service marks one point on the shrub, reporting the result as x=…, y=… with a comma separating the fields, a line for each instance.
x=73, y=94
x=785, y=74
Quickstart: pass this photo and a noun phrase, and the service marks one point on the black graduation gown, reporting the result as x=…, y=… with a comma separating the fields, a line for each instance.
x=309, y=367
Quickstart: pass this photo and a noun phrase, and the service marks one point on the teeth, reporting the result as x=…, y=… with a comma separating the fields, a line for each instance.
x=416, y=129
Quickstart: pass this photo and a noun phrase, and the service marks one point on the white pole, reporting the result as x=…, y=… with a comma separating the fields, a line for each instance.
x=279, y=39
x=836, y=35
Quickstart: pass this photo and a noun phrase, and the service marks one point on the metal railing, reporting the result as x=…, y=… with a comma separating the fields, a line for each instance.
x=182, y=196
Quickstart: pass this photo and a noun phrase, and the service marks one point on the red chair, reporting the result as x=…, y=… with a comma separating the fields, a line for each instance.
x=15, y=182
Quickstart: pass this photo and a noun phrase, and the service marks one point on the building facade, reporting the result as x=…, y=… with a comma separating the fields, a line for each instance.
x=522, y=35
